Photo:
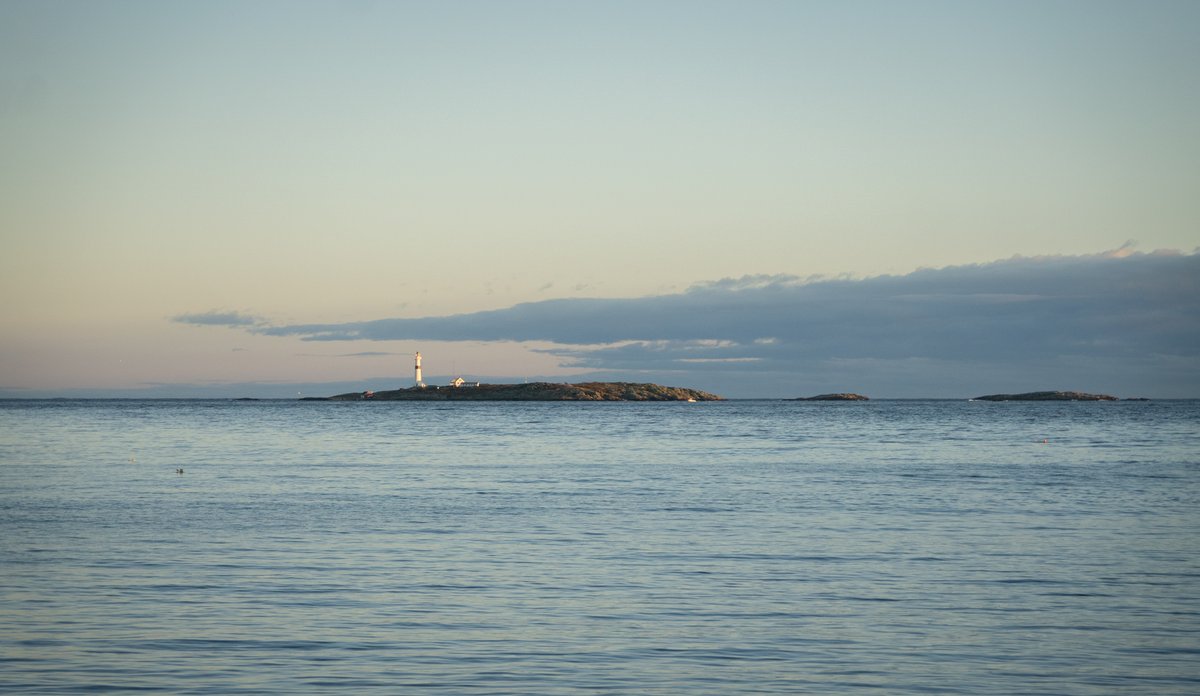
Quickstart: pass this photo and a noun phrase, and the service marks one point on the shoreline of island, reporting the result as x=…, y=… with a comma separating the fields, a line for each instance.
x=636, y=391
x=532, y=391
x=1050, y=396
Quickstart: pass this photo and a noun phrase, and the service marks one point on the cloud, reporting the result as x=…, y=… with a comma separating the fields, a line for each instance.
x=1120, y=318
x=361, y=354
x=216, y=318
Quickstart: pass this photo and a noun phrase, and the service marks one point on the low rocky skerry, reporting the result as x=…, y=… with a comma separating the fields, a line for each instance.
x=1047, y=396
x=536, y=391
x=844, y=396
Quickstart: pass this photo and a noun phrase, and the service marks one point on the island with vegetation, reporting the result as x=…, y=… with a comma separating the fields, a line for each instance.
x=834, y=397
x=1047, y=396
x=534, y=391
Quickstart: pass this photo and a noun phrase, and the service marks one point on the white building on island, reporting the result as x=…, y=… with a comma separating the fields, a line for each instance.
x=419, y=381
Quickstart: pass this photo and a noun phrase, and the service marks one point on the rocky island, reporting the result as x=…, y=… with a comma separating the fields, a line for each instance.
x=535, y=391
x=834, y=397
x=1047, y=396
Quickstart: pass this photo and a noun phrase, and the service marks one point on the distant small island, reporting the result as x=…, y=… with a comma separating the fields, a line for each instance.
x=1047, y=396
x=834, y=397
x=534, y=391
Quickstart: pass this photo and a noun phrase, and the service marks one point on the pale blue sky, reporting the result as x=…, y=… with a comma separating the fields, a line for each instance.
x=352, y=161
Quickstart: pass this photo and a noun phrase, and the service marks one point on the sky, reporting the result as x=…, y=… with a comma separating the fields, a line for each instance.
x=761, y=199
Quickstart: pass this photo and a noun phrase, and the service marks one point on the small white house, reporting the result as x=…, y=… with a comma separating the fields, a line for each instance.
x=460, y=382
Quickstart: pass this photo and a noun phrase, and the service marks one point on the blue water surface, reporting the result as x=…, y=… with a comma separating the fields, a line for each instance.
x=765, y=547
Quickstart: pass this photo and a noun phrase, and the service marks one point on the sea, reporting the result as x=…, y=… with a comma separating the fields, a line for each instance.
x=735, y=547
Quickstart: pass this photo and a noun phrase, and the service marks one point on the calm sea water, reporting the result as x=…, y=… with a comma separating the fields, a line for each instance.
x=626, y=548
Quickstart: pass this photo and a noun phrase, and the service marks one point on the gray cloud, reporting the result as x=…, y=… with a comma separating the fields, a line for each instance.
x=216, y=318
x=1129, y=321
x=361, y=354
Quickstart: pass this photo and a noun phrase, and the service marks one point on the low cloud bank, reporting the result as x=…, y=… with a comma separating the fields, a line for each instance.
x=1120, y=321
x=235, y=319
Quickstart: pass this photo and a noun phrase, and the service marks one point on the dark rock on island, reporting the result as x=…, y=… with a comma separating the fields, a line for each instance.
x=834, y=397
x=536, y=391
x=1047, y=396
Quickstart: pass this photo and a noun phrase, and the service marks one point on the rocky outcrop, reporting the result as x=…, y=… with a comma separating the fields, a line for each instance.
x=537, y=391
x=1047, y=396
x=834, y=397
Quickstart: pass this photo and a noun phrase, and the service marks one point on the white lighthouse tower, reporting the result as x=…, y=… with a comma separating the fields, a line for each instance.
x=418, y=381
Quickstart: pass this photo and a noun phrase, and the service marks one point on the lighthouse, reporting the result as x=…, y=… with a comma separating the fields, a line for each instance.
x=418, y=381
